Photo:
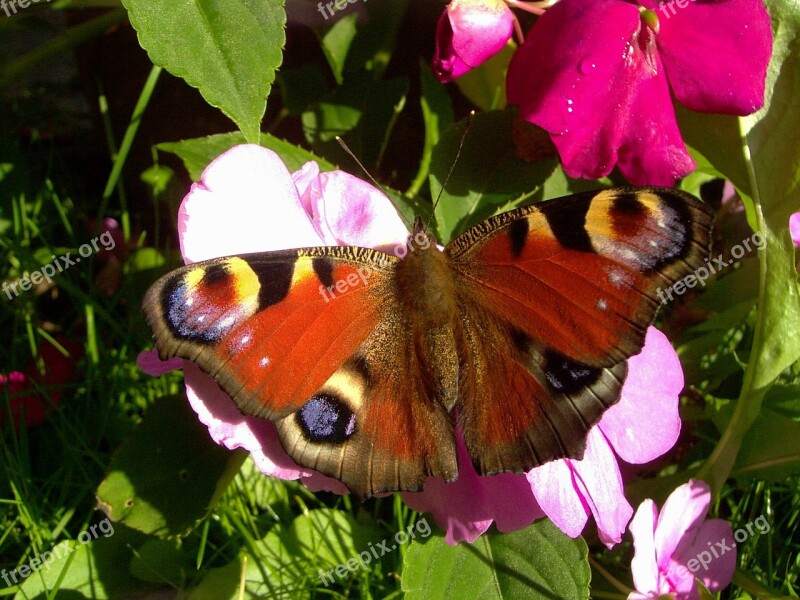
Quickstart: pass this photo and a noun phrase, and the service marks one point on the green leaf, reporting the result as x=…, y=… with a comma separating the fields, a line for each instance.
x=290, y=561
x=537, y=562
x=770, y=451
x=197, y=153
x=363, y=112
x=784, y=400
x=168, y=474
x=227, y=49
x=98, y=569
x=774, y=172
x=336, y=42
x=479, y=188
x=159, y=561
x=437, y=113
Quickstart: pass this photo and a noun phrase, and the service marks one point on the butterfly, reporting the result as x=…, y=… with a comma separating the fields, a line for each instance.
x=516, y=333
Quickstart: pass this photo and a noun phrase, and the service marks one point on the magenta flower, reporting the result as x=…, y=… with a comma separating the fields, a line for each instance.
x=247, y=201
x=468, y=33
x=674, y=548
x=794, y=228
x=597, y=75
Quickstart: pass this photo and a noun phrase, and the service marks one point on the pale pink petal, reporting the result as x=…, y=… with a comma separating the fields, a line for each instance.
x=351, y=212
x=305, y=177
x=682, y=513
x=794, y=228
x=645, y=423
x=149, y=362
x=556, y=491
x=599, y=482
x=466, y=508
x=643, y=565
x=246, y=201
x=714, y=549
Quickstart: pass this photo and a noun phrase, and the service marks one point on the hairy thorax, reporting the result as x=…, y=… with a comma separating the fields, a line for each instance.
x=425, y=282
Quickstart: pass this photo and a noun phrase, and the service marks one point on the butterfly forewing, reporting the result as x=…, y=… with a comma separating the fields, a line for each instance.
x=556, y=296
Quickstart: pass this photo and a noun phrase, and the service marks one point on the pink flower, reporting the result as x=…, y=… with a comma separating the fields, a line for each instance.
x=678, y=545
x=794, y=228
x=597, y=75
x=43, y=390
x=468, y=33
x=247, y=201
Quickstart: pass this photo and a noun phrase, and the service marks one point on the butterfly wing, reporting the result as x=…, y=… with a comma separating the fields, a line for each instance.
x=312, y=339
x=555, y=297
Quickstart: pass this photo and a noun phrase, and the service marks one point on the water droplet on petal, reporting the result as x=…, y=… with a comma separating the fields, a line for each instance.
x=586, y=66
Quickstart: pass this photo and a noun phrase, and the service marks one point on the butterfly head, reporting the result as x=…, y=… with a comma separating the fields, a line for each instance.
x=421, y=239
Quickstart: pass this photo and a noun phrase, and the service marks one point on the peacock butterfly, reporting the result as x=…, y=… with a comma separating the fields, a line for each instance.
x=518, y=331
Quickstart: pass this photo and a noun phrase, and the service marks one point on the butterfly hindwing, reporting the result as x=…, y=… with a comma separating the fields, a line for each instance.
x=556, y=296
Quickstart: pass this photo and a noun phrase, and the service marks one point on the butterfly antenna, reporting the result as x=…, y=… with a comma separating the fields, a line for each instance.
x=368, y=174
x=452, y=166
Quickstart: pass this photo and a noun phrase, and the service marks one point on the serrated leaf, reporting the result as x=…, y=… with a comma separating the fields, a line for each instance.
x=537, y=562
x=197, y=153
x=227, y=49
x=168, y=474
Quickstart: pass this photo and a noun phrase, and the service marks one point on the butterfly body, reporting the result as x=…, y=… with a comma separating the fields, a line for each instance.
x=517, y=333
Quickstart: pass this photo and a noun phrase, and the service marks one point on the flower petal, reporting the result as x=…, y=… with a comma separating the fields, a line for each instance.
x=149, y=362
x=555, y=489
x=682, y=513
x=600, y=483
x=590, y=75
x=794, y=228
x=701, y=47
x=645, y=423
x=714, y=548
x=350, y=212
x=466, y=507
x=643, y=565
x=245, y=201
x=568, y=490
x=468, y=33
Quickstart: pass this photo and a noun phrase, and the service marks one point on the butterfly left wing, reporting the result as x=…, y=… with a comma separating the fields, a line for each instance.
x=312, y=339
x=555, y=297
